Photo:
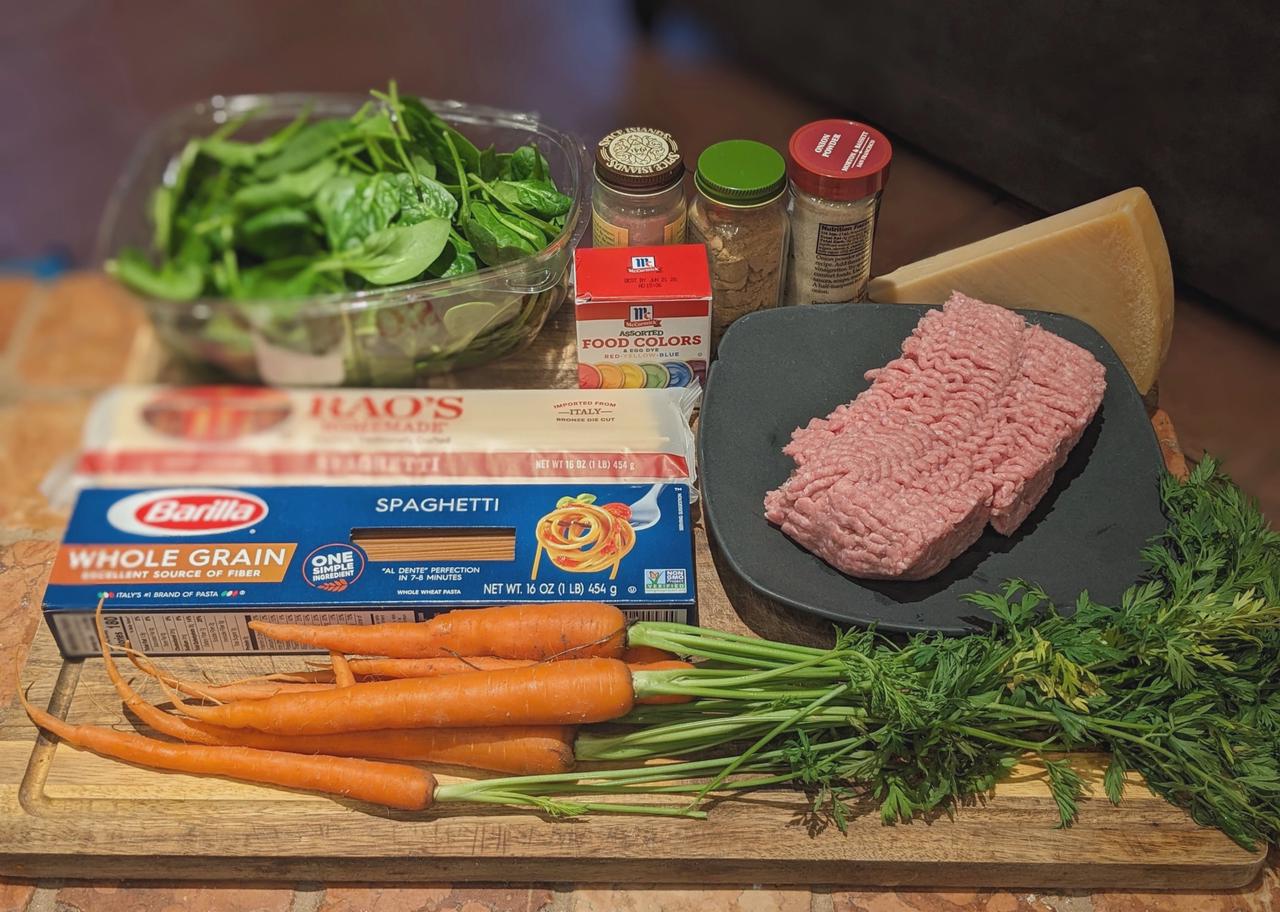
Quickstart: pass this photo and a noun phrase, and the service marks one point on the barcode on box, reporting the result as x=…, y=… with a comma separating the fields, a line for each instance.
x=664, y=615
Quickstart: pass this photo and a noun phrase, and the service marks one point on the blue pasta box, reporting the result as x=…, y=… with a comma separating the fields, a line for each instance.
x=182, y=571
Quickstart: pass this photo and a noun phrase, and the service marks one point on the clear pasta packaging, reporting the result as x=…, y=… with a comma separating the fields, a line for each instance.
x=137, y=436
x=182, y=570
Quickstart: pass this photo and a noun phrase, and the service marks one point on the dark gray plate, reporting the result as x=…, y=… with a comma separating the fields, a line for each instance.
x=779, y=368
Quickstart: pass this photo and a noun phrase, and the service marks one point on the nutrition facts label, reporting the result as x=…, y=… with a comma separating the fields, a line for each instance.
x=841, y=255
x=225, y=632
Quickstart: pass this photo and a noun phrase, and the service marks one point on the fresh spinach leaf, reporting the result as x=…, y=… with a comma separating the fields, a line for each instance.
x=179, y=279
x=423, y=165
x=397, y=254
x=378, y=126
x=283, y=231
x=282, y=280
x=426, y=127
x=488, y=164
x=310, y=144
x=423, y=198
x=527, y=164
x=231, y=152
x=238, y=154
x=287, y=189
x=494, y=241
x=352, y=208
x=532, y=196
x=457, y=258
x=521, y=226
x=168, y=196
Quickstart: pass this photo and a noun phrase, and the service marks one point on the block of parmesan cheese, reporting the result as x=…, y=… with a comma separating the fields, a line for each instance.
x=1105, y=263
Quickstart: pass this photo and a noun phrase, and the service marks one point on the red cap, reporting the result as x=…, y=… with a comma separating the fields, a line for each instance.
x=838, y=159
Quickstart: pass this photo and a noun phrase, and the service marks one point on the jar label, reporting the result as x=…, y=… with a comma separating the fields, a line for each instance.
x=673, y=233
x=838, y=263
x=607, y=234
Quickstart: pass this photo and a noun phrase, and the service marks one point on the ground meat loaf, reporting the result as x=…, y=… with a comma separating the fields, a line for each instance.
x=966, y=427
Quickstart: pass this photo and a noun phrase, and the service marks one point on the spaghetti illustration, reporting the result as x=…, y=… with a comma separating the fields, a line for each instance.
x=580, y=537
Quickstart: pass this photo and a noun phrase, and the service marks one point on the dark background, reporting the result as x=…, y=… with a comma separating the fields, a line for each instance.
x=998, y=112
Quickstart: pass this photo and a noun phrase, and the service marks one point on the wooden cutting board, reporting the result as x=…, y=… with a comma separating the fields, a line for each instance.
x=69, y=814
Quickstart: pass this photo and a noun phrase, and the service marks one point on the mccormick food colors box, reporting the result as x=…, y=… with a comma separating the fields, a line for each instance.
x=181, y=571
x=643, y=315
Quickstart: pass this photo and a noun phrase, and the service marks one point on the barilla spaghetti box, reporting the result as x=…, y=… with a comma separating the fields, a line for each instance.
x=181, y=571
x=643, y=315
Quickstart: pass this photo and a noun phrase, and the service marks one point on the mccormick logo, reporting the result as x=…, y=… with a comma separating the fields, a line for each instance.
x=186, y=511
x=640, y=315
x=643, y=264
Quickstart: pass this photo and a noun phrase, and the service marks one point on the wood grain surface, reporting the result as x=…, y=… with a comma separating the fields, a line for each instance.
x=69, y=814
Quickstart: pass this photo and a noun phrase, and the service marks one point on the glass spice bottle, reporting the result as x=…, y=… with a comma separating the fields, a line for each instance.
x=638, y=197
x=739, y=212
x=838, y=169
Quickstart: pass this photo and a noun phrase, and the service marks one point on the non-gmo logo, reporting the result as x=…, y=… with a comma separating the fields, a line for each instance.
x=186, y=511
x=671, y=580
x=644, y=264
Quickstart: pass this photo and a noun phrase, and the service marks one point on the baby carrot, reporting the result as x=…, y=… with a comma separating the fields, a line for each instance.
x=551, y=693
x=562, y=630
x=389, y=784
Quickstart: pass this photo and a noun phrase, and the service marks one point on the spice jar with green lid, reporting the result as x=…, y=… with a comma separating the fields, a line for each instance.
x=740, y=213
x=638, y=198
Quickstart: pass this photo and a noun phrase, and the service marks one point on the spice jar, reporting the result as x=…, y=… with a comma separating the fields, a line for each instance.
x=740, y=213
x=837, y=169
x=638, y=198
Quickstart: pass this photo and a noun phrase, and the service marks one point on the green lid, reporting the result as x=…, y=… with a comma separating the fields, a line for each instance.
x=741, y=172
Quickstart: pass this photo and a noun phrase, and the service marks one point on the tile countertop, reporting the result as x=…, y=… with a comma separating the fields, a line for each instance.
x=62, y=342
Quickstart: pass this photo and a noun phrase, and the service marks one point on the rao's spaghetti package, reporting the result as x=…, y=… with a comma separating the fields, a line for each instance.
x=225, y=435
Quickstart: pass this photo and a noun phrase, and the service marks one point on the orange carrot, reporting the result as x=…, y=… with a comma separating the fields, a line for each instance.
x=323, y=675
x=562, y=630
x=551, y=693
x=528, y=750
x=430, y=668
x=389, y=784
x=342, y=674
x=228, y=693
x=640, y=655
x=522, y=750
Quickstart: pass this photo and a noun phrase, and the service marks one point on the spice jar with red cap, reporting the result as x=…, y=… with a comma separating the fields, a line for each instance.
x=638, y=199
x=837, y=170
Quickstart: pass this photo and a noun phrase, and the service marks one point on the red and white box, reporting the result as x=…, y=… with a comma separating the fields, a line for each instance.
x=643, y=315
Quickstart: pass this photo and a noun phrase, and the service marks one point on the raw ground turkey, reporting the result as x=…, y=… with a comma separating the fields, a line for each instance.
x=966, y=427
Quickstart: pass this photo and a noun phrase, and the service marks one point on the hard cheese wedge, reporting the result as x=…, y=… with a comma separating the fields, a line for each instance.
x=1105, y=263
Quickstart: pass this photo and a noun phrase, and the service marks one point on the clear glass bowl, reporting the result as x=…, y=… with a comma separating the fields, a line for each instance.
x=393, y=336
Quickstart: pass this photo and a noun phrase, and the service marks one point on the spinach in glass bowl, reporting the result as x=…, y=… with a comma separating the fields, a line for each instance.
x=315, y=239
